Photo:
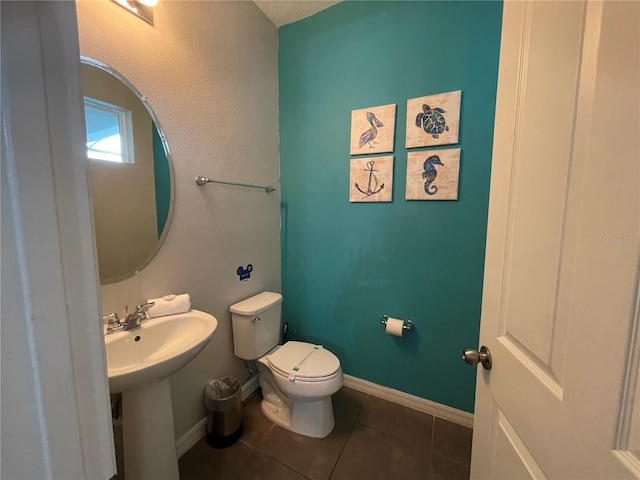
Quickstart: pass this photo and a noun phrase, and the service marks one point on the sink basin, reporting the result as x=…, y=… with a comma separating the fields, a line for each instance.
x=158, y=348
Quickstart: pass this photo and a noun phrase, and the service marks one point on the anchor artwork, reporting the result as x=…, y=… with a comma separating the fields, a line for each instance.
x=433, y=120
x=433, y=174
x=373, y=129
x=371, y=179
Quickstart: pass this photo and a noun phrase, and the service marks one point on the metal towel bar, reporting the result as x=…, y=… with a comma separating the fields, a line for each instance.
x=205, y=180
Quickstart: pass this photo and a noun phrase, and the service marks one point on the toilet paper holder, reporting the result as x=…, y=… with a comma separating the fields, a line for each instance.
x=408, y=324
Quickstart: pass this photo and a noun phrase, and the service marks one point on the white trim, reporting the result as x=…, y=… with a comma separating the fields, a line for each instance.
x=411, y=401
x=195, y=433
x=59, y=399
x=629, y=460
x=189, y=439
x=250, y=386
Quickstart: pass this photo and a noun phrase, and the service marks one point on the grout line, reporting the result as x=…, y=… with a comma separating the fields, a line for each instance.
x=277, y=460
x=270, y=428
x=433, y=432
x=260, y=451
x=433, y=419
x=344, y=445
x=362, y=407
x=433, y=437
x=451, y=459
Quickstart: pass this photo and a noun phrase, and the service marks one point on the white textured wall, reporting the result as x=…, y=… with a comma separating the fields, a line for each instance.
x=209, y=70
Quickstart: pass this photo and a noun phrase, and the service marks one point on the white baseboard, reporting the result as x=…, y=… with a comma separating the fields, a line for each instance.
x=250, y=386
x=195, y=433
x=189, y=439
x=411, y=401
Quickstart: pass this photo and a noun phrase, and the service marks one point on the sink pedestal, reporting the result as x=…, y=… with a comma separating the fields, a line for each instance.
x=148, y=433
x=139, y=363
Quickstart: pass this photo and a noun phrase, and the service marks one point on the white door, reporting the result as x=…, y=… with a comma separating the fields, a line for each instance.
x=560, y=305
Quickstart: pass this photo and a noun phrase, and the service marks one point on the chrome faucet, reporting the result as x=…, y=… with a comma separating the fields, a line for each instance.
x=132, y=320
x=138, y=316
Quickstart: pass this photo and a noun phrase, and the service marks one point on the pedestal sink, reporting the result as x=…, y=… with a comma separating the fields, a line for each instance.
x=139, y=362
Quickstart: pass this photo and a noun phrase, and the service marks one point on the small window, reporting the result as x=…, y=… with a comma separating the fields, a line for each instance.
x=109, y=131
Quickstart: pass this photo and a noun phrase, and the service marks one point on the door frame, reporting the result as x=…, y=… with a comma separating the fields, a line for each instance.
x=51, y=310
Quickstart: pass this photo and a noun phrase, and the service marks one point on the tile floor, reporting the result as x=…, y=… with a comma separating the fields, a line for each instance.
x=372, y=439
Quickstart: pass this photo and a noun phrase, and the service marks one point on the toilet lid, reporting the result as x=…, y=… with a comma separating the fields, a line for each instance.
x=304, y=360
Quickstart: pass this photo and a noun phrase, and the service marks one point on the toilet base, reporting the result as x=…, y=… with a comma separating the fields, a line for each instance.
x=312, y=419
x=281, y=416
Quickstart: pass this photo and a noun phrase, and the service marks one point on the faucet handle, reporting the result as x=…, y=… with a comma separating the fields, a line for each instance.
x=113, y=322
x=142, y=306
x=111, y=319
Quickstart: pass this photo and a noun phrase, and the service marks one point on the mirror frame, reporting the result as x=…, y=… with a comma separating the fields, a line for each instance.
x=118, y=278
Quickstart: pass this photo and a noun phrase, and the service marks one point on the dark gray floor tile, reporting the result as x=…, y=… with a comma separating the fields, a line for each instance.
x=312, y=457
x=263, y=467
x=387, y=442
x=398, y=421
x=203, y=462
x=256, y=425
x=237, y=462
x=444, y=469
x=452, y=441
x=371, y=454
x=348, y=402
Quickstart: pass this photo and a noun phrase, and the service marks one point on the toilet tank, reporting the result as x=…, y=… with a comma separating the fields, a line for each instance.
x=256, y=325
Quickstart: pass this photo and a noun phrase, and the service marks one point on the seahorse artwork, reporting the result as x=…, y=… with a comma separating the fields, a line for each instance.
x=430, y=173
x=433, y=175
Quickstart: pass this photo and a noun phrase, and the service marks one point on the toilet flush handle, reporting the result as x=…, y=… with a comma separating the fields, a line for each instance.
x=255, y=320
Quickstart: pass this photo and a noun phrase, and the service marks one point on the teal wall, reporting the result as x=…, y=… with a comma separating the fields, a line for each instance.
x=345, y=264
x=162, y=178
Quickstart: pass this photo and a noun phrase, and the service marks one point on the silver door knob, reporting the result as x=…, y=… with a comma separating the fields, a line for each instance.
x=473, y=357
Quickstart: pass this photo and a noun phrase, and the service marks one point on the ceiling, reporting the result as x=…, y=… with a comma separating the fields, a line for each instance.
x=289, y=11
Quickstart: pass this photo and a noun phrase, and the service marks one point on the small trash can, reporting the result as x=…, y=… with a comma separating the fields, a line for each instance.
x=223, y=399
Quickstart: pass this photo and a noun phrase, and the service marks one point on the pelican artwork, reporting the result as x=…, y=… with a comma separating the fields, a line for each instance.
x=369, y=136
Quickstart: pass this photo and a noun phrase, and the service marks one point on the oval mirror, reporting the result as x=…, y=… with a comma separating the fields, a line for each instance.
x=131, y=172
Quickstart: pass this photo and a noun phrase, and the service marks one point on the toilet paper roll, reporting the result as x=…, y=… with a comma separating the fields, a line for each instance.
x=394, y=326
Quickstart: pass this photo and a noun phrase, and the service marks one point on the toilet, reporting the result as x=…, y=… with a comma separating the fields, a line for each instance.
x=297, y=378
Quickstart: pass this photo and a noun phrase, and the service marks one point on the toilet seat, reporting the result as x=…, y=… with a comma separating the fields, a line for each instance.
x=304, y=362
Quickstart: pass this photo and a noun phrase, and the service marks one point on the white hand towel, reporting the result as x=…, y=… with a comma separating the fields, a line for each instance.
x=169, y=305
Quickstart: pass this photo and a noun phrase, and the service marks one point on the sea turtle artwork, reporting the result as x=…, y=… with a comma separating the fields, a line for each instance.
x=432, y=120
x=430, y=173
x=368, y=137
